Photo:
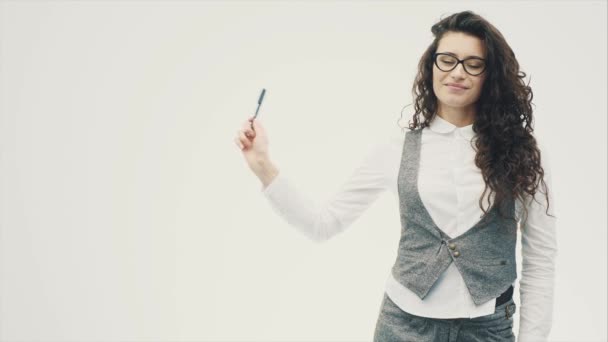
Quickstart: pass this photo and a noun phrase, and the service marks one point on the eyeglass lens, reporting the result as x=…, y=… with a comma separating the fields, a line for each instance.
x=472, y=66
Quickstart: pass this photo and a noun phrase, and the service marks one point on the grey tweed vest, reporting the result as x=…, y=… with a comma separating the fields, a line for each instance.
x=484, y=255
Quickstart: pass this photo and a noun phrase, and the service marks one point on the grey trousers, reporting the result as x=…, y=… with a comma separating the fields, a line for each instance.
x=396, y=325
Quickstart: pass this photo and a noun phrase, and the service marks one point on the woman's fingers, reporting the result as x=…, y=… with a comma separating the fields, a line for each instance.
x=257, y=127
x=245, y=136
x=243, y=139
x=249, y=132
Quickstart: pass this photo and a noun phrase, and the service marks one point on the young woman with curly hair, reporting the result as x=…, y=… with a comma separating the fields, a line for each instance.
x=466, y=174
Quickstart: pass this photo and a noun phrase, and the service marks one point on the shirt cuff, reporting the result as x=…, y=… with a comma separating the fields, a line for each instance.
x=273, y=185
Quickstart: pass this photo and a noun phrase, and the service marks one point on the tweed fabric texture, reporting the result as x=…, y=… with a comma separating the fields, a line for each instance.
x=484, y=255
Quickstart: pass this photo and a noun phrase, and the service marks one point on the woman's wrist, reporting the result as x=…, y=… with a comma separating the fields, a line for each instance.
x=265, y=170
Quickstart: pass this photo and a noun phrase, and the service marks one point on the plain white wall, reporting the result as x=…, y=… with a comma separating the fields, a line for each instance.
x=128, y=213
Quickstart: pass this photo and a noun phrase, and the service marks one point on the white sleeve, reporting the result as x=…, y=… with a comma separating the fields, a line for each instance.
x=539, y=250
x=322, y=220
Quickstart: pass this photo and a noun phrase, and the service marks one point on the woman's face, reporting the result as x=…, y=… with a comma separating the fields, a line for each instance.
x=462, y=46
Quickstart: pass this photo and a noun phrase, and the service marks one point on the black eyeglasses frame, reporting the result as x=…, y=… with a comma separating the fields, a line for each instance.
x=459, y=61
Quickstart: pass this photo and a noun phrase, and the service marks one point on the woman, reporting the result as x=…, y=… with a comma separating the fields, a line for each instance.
x=466, y=177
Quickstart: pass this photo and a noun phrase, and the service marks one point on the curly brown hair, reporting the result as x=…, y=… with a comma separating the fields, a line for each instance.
x=506, y=151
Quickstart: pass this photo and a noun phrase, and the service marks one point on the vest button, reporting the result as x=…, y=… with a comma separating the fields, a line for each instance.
x=456, y=254
x=452, y=246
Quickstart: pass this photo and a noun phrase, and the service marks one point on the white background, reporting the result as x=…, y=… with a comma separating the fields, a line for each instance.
x=127, y=212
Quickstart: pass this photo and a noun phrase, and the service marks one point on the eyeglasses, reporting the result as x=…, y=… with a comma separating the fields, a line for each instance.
x=474, y=66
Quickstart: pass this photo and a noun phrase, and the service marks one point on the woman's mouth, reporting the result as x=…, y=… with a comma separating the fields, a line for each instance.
x=456, y=89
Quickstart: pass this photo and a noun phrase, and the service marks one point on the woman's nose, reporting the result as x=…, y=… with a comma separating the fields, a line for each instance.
x=458, y=70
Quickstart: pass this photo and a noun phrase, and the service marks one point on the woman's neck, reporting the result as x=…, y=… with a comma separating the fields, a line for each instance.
x=457, y=116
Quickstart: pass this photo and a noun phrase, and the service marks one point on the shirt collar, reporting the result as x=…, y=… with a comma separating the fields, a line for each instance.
x=440, y=125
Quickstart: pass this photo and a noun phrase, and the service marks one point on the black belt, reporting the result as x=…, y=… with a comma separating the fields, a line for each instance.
x=505, y=296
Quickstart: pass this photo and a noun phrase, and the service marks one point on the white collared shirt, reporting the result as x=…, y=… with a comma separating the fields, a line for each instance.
x=450, y=185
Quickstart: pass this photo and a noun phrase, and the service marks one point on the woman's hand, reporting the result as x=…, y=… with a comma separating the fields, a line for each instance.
x=253, y=142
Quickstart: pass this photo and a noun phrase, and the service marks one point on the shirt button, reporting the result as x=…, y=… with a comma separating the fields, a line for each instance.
x=452, y=246
x=456, y=254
